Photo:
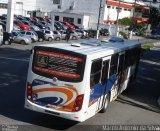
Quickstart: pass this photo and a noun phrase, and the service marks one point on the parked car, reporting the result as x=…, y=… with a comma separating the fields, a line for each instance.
x=61, y=25
x=33, y=35
x=3, y=18
x=7, y=38
x=32, y=26
x=73, y=35
x=22, y=39
x=69, y=26
x=41, y=26
x=104, y=32
x=15, y=27
x=41, y=35
x=92, y=33
x=21, y=25
x=57, y=35
x=83, y=33
x=48, y=35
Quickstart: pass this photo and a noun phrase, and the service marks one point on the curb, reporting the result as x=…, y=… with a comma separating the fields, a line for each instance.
x=158, y=101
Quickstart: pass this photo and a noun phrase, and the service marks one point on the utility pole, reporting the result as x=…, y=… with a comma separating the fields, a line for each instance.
x=99, y=16
x=10, y=16
x=118, y=11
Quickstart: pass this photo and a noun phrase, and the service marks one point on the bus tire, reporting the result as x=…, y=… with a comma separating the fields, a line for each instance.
x=105, y=104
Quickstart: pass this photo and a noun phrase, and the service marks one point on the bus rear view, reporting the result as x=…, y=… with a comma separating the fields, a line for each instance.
x=54, y=82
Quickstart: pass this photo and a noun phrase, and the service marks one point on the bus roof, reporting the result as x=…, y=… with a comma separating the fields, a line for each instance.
x=94, y=47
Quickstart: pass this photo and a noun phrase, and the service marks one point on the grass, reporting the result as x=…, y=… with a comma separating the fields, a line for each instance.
x=147, y=46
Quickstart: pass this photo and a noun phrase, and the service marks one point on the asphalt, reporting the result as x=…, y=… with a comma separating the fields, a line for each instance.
x=157, y=62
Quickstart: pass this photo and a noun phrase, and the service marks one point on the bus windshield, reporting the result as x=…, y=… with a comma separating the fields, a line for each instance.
x=64, y=65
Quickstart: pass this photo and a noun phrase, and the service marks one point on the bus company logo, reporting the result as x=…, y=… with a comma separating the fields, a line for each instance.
x=55, y=79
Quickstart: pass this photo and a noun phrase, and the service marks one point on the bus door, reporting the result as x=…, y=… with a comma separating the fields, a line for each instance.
x=121, y=71
x=98, y=81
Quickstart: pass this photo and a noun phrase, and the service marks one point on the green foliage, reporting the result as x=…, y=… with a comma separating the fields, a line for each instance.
x=147, y=46
x=125, y=21
x=123, y=34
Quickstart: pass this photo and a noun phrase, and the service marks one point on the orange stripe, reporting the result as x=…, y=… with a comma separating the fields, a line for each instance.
x=65, y=91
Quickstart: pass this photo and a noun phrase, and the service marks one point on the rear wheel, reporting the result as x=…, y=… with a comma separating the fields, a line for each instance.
x=105, y=104
x=58, y=38
x=22, y=42
x=7, y=42
x=49, y=39
x=74, y=38
x=40, y=40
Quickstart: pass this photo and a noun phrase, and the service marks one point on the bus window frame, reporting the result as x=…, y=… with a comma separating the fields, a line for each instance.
x=56, y=50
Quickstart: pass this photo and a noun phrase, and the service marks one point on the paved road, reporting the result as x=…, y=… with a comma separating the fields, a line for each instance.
x=137, y=105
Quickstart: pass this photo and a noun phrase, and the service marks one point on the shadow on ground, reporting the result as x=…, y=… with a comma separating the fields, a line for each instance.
x=146, y=90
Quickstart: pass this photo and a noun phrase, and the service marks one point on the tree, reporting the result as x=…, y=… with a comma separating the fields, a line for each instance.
x=125, y=21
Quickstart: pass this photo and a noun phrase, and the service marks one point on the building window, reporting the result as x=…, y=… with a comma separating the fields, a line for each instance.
x=79, y=21
x=112, y=7
x=3, y=6
x=56, y=1
x=129, y=9
x=68, y=19
x=57, y=18
x=108, y=6
x=125, y=9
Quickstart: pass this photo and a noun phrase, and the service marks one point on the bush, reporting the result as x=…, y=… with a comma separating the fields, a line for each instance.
x=123, y=34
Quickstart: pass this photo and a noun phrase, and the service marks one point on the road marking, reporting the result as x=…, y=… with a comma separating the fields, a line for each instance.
x=151, y=62
x=15, y=59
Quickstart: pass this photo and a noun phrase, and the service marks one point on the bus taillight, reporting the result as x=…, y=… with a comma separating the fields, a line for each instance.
x=29, y=91
x=78, y=103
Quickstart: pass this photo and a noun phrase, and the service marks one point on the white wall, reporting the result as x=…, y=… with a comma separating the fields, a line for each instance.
x=87, y=7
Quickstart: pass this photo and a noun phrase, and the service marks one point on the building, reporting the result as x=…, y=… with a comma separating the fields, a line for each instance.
x=85, y=13
x=28, y=7
x=3, y=6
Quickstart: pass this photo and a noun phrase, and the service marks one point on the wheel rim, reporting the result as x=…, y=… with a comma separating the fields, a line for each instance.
x=40, y=39
x=50, y=39
x=6, y=42
x=57, y=38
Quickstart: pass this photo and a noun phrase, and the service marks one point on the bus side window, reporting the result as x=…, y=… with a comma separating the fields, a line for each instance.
x=114, y=64
x=95, y=72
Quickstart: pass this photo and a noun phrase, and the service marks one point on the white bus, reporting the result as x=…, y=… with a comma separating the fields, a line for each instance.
x=75, y=81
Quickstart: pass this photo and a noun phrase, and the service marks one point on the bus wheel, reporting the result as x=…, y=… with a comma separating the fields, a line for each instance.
x=106, y=103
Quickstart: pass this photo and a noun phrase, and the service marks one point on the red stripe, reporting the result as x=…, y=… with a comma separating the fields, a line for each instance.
x=114, y=3
x=57, y=73
x=64, y=56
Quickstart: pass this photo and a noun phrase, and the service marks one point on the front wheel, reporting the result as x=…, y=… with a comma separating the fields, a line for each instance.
x=105, y=104
x=74, y=38
x=49, y=39
x=7, y=42
x=40, y=40
x=22, y=42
